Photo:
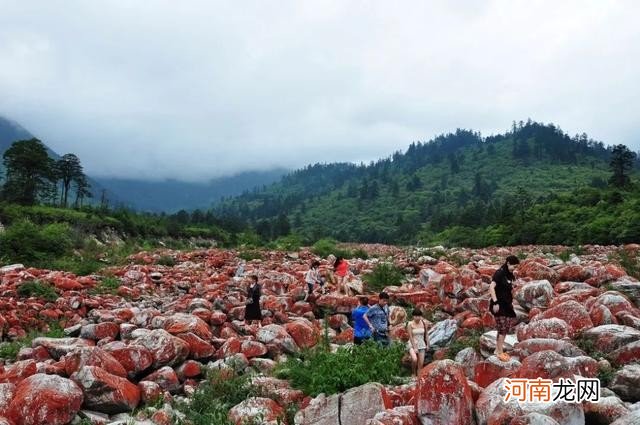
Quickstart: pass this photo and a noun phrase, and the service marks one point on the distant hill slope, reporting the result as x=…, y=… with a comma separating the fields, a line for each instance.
x=164, y=196
x=172, y=195
x=457, y=182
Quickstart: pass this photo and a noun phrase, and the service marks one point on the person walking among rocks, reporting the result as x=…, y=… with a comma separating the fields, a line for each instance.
x=252, y=310
x=501, y=303
x=361, y=328
x=418, y=340
x=312, y=277
x=341, y=267
x=377, y=317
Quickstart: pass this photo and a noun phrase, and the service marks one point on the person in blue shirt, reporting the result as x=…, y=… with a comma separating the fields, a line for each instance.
x=378, y=319
x=361, y=328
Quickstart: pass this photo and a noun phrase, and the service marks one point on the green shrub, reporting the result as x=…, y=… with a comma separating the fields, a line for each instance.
x=359, y=253
x=629, y=262
x=107, y=286
x=31, y=244
x=319, y=371
x=212, y=400
x=288, y=243
x=324, y=247
x=250, y=255
x=35, y=288
x=166, y=260
x=10, y=350
x=79, y=266
x=471, y=339
x=383, y=275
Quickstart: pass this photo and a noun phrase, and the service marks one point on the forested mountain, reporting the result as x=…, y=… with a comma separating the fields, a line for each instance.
x=532, y=184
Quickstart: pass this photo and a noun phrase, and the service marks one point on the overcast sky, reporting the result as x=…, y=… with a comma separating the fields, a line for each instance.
x=197, y=89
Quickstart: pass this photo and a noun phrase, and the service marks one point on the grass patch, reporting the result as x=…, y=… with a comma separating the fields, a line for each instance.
x=250, y=255
x=319, y=371
x=383, y=275
x=212, y=400
x=107, y=286
x=10, y=350
x=588, y=346
x=471, y=339
x=166, y=260
x=629, y=262
x=38, y=289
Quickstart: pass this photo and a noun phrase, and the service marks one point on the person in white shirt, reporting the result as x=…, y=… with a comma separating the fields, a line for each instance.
x=312, y=277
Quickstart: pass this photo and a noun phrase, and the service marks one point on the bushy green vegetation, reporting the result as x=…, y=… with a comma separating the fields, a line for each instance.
x=35, y=288
x=29, y=243
x=469, y=339
x=166, y=260
x=383, y=275
x=107, y=286
x=10, y=350
x=326, y=247
x=320, y=371
x=214, y=398
x=250, y=255
x=533, y=184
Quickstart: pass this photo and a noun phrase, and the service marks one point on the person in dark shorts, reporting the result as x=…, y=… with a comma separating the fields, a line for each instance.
x=361, y=331
x=252, y=311
x=501, y=303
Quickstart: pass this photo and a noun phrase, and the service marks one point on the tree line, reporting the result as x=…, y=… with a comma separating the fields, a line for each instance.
x=32, y=176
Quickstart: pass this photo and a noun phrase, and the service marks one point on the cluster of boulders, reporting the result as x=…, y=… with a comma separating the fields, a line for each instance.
x=154, y=340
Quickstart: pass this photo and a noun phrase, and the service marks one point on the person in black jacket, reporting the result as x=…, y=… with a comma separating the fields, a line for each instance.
x=252, y=311
x=501, y=304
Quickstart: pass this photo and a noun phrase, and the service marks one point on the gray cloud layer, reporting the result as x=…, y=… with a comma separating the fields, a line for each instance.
x=197, y=89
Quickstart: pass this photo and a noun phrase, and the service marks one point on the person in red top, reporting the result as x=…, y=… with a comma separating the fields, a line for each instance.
x=341, y=267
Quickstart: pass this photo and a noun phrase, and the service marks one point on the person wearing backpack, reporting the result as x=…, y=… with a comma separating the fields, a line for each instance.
x=418, y=340
x=501, y=303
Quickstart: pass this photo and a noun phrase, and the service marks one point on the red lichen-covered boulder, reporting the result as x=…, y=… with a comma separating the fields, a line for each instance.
x=18, y=371
x=167, y=349
x=607, y=338
x=546, y=365
x=537, y=293
x=105, y=392
x=530, y=346
x=443, y=396
x=278, y=336
x=167, y=378
x=545, y=328
x=182, y=323
x=303, y=333
x=485, y=372
x=537, y=270
x=198, y=348
x=45, y=400
x=93, y=356
x=100, y=331
x=572, y=312
x=150, y=392
x=7, y=392
x=265, y=410
x=253, y=349
x=58, y=347
x=134, y=358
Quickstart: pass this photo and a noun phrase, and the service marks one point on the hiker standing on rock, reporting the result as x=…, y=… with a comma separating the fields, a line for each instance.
x=501, y=304
x=341, y=267
x=378, y=319
x=418, y=340
x=361, y=327
x=312, y=277
x=252, y=311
